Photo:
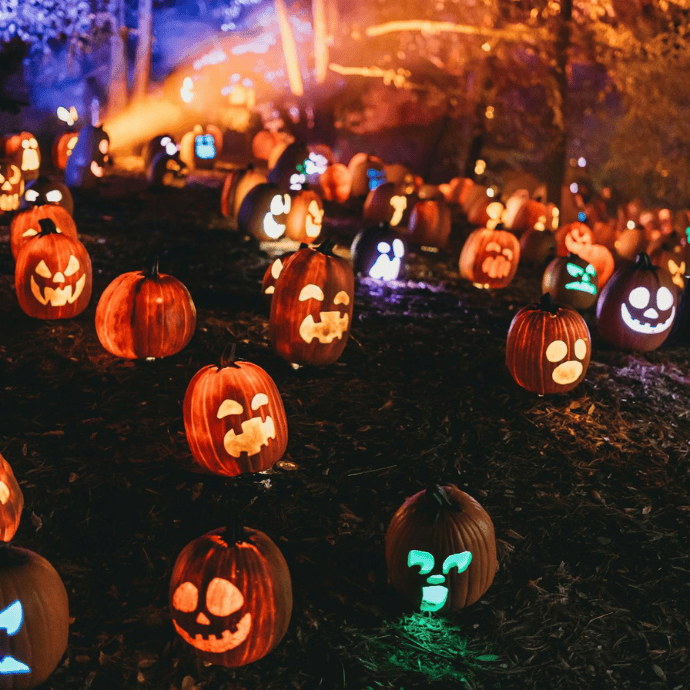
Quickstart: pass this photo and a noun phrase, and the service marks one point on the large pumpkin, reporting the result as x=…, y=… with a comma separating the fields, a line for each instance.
x=236, y=186
x=52, y=276
x=231, y=596
x=441, y=550
x=385, y=204
x=571, y=280
x=34, y=618
x=490, y=258
x=48, y=190
x=11, y=187
x=636, y=309
x=429, y=224
x=11, y=502
x=26, y=224
x=548, y=347
x=311, y=309
x=145, y=314
x=336, y=183
x=22, y=150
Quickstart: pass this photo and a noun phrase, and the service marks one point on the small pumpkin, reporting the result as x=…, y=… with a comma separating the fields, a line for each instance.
x=265, y=141
x=490, y=258
x=200, y=146
x=21, y=149
x=159, y=144
x=235, y=187
x=62, y=149
x=275, y=268
x=304, y=221
x=441, y=550
x=631, y=242
x=637, y=306
x=672, y=253
x=48, y=190
x=26, y=224
x=145, y=314
x=573, y=237
x=571, y=280
x=537, y=248
x=86, y=166
x=11, y=187
x=231, y=595
x=385, y=204
x=290, y=170
x=456, y=191
x=429, y=224
x=11, y=502
x=548, y=347
x=167, y=170
x=367, y=173
x=523, y=213
x=378, y=252
x=336, y=183
x=264, y=211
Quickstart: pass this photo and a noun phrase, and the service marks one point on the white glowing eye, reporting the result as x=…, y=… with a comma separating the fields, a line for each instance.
x=508, y=253
x=72, y=265
x=4, y=492
x=556, y=351
x=25, y=144
x=398, y=248
x=276, y=268
x=258, y=400
x=103, y=146
x=30, y=233
x=33, y=142
x=165, y=141
x=287, y=203
x=171, y=148
x=54, y=196
x=186, y=598
x=311, y=292
x=639, y=297
x=580, y=348
x=383, y=247
x=277, y=205
x=342, y=298
x=43, y=270
x=493, y=247
x=31, y=195
x=223, y=598
x=228, y=407
x=664, y=299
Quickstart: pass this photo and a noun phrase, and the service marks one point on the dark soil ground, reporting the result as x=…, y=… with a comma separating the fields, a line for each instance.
x=588, y=491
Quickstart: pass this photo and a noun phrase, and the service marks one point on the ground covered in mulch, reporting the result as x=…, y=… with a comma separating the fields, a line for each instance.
x=588, y=491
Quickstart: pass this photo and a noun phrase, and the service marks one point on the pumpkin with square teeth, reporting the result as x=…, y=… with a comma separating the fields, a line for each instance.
x=11, y=186
x=52, y=275
x=26, y=224
x=22, y=150
x=490, y=258
x=548, y=347
x=311, y=309
x=234, y=418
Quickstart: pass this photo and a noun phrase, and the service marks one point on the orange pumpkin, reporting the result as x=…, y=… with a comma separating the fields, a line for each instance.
x=385, y=204
x=11, y=187
x=62, y=149
x=367, y=173
x=573, y=237
x=11, y=502
x=490, y=258
x=336, y=183
x=304, y=221
x=26, y=224
x=631, y=242
x=236, y=186
x=522, y=213
x=22, y=150
x=429, y=224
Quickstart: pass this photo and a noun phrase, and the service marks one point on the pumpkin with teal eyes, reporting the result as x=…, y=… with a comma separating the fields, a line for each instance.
x=571, y=280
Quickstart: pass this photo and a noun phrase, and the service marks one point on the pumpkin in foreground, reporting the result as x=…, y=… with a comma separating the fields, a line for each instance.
x=231, y=595
x=26, y=224
x=441, y=550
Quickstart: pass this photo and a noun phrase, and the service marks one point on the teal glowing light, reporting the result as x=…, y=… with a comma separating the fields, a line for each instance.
x=11, y=619
x=433, y=598
x=435, y=595
x=421, y=558
x=584, y=278
x=461, y=561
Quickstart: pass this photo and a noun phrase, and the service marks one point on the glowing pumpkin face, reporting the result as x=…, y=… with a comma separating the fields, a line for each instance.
x=573, y=238
x=305, y=218
x=264, y=211
x=290, y=170
x=489, y=258
x=205, y=147
x=90, y=154
x=378, y=253
x=571, y=280
x=11, y=187
x=22, y=150
x=48, y=190
x=434, y=591
x=11, y=501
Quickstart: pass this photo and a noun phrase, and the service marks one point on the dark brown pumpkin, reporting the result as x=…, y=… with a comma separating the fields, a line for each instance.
x=571, y=280
x=385, y=204
x=429, y=224
x=537, y=248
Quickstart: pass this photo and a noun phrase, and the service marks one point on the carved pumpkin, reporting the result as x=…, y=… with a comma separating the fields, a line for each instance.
x=275, y=268
x=236, y=186
x=441, y=550
x=311, y=309
x=577, y=238
x=86, y=166
x=571, y=280
x=637, y=307
x=385, y=204
x=537, y=248
x=34, y=617
x=26, y=224
x=378, y=252
x=490, y=258
x=523, y=214
x=234, y=418
x=62, y=149
x=265, y=141
x=304, y=221
x=548, y=347
x=52, y=276
x=367, y=173
x=159, y=144
x=22, y=150
x=199, y=147
x=336, y=183
x=167, y=170
x=48, y=190
x=264, y=211
x=290, y=170
x=11, y=502
x=11, y=187
x=145, y=314
x=231, y=596
x=429, y=224
x=671, y=253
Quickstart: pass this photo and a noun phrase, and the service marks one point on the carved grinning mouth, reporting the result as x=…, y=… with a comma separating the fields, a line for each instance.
x=331, y=326
x=9, y=202
x=496, y=266
x=96, y=169
x=58, y=297
x=30, y=159
x=255, y=434
x=647, y=328
x=217, y=645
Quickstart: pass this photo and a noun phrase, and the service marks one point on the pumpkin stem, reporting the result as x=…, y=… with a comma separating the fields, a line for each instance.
x=438, y=501
x=227, y=358
x=326, y=247
x=151, y=266
x=48, y=226
x=234, y=529
x=643, y=261
x=547, y=304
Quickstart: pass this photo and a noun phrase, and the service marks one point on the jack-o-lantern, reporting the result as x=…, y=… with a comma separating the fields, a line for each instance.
x=336, y=183
x=160, y=143
x=200, y=146
x=537, y=248
x=264, y=211
x=22, y=150
x=385, y=204
x=204, y=151
x=304, y=221
x=48, y=190
x=548, y=347
x=167, y=170
x=145, y=314
x=367, y=173
x=234, y=418
x=378, y=252
x=571, y=280
x=62, y=149
x=636, y=309
x=457, y=190
x=34, y=618
x=490, y=258
x=53, y=276
x=441, y=550
x=86, y=166
x=577, y=238
x=402, y=177
x=311, y=309
x=265, y=141
x=11, y=502
x=231, y=595
x=237, y=183
x=429, y=224
x=522, y=213
x=11, y=187
x=671, y=253
x=275, y=268
x=290, y=170
x=27, y=224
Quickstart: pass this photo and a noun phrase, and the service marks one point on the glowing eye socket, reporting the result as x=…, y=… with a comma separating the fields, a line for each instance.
x=33, y=143
x=276, y=269
x=186, y=598
x=72, y=265
x=277, y=205
x=639, y=297
x=43, y=270
x=103, y=146
x=16, y=175
x=165, y=141
x=423, y=559
x=398, y=248
x=223, y=598
x=461, y=561
x=580, y=348
x=591, y=270
x=229, y=407
x=171, y=148
x=258, y=400
x=664, y=299
x=383, y=247
x=574, y=270
x=311, y=292
x=508, y=253
x=54, y=196
x=493, y=247
x=30, y=233
x=25, y=144
x=31, y=195
x=4, y=492
x=287, y=203
x=556, y=351
x=342, y=298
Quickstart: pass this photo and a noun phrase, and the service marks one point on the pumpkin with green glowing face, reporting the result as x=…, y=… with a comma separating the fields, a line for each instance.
x=571, y=280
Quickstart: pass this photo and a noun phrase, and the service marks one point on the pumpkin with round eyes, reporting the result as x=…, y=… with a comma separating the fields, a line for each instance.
x=571, y=280
x=48, y=190
x=264, y=211
x=290, y=170
x=336, y=183
x=231, y=595
x=305, y=219
x=234, y=418
x=441, y=550
x=548, y=347
x=311, y=309
x=22, y=150
x=385, y=204
x=378, y=252
x=86, y=166
x=429, y=224
x=62, y=149
x=367, y=173
x=490, y=258
x=167, y=169
x=26, y=224
x=160, y=143
x=236, y=186
x=636, y=309
x=52, y=276
x=11, y=501
x=11, y=187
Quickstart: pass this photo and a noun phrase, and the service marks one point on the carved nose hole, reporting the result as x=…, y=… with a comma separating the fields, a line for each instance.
x=651, y=313
x=58, y=278
x=202, y=619
x=436, y=579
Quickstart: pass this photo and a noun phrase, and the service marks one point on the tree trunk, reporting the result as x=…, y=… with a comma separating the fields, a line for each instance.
x=117, y=90
x=142, y=64
x=485, y=93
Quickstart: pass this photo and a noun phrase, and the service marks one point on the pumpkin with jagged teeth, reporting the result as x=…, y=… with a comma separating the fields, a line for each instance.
x=11, y=187
x=22, y=150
